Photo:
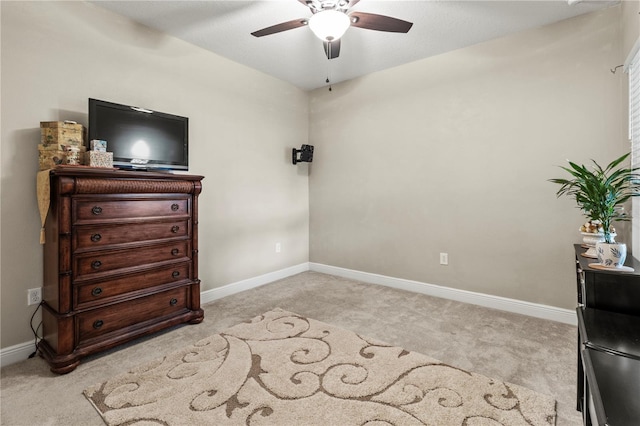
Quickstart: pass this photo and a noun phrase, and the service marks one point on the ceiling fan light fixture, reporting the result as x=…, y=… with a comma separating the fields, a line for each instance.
x=329, y=25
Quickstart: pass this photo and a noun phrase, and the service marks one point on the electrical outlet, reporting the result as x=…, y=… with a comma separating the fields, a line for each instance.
x=278, y=247
x=34, y=296
x=444, y=258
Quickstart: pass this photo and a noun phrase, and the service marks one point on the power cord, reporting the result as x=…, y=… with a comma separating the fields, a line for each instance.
x=35, y=330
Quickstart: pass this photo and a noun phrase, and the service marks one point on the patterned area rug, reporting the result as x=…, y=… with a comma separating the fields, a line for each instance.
x=284, y=369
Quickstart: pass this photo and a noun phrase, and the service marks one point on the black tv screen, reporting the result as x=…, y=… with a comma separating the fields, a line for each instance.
x=140, y=138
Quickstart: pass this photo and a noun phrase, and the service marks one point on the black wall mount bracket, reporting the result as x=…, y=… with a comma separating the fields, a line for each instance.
x=305, y=154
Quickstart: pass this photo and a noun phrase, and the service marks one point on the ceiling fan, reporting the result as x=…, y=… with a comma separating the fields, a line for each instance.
x=331, y=19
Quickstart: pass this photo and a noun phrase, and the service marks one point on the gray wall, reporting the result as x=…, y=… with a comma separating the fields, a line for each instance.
x=452, y=154
x=243, y=124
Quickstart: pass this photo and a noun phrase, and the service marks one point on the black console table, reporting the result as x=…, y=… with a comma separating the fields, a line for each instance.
x=608, y=343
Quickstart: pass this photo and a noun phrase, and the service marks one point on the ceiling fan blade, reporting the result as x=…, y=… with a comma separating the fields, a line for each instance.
x=371, y=21
x=332, y=51
x=289, y=25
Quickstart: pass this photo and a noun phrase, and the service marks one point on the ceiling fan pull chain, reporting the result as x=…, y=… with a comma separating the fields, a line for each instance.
x=328, y=64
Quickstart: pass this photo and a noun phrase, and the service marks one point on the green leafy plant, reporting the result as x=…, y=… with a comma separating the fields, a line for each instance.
x=601, y=192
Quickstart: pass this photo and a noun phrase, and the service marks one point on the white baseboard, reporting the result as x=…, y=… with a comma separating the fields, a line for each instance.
x=16, y=353
x=237, y=287
x=22, y=351
x=552, y=313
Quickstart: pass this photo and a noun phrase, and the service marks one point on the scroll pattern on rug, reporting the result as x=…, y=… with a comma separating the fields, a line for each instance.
x=284, y=369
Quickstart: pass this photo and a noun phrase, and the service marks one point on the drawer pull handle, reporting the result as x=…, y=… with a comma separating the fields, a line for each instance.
x=96, y=210
x=175, y=252
x=175, y=274
x=96, y=264
x=175, y=207
x=97, y=324
x=175, y=229
x=173, y=302
x=96, y=292
x=96, y=237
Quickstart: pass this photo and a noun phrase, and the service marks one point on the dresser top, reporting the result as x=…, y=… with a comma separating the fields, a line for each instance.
x=97, y=173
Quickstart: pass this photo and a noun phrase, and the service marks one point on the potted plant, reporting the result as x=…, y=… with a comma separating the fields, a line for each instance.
x=600, y=193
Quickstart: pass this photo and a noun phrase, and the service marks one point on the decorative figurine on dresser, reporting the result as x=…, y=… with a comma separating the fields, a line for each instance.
x=120, y=259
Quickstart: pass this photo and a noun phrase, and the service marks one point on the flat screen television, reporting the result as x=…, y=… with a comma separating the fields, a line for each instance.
x=140, y=138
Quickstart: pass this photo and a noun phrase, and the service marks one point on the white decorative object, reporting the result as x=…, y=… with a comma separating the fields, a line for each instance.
x=98, y=145
x=611, y=255
x=589, y=241
x=99, y=159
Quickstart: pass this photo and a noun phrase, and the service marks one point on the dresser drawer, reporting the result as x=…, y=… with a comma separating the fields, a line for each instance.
x=95, y=293
x=91, y=265
x=99, y=322
x=99, y=236
x=87, y=210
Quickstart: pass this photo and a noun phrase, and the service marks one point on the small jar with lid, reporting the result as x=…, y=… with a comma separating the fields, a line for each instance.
x=73, y=156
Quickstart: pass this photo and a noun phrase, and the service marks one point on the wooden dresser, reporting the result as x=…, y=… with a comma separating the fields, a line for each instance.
x=120, y=259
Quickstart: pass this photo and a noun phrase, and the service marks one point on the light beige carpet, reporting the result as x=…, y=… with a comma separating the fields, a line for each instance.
x=283, y=369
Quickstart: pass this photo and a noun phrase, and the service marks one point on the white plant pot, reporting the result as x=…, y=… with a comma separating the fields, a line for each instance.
x=589, y=241
x=611, y=255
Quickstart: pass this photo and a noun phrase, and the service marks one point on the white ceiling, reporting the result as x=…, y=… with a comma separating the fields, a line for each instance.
x=298, y=57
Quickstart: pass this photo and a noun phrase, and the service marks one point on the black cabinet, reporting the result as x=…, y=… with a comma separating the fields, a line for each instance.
x=613, y=388
x=608, y=343
x=609, y=290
